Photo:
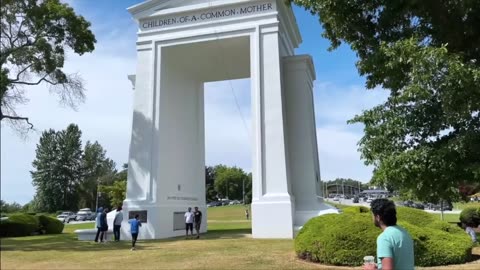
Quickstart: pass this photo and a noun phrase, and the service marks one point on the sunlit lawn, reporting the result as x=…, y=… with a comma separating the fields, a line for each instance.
x=227, y=245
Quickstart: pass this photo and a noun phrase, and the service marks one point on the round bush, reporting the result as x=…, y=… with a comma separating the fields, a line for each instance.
x=415, y=216
x=346, y=238
x=50, y=225
x=436, y=247
x=470, y=216
x=18, y=225
x=337, y=239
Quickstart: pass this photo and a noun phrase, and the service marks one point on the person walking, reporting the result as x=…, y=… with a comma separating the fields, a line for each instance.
x=117, y=223
x=97, y=223
x=247, y=214
x=188, y=222
x=394, y=244
x=135, y=225
x=103, y=226
x=197, y=218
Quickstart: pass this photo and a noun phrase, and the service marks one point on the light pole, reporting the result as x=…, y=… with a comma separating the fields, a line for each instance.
x=243, y=190
x=98, y=195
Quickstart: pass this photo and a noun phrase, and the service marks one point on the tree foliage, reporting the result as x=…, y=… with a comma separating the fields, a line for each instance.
x=116, y=192
x=58, y=169
x=35, y=35
x=96, y=169
x=66, y=177
x=426, y=137
x=229, y=182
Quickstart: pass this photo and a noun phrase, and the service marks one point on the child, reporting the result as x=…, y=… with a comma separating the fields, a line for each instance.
x=134, y=229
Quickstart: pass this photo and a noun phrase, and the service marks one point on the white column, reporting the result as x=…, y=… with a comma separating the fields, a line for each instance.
x=299, y=75
x=271, y=199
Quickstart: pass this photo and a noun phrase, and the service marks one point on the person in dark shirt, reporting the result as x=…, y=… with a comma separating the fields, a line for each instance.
x=103, y=225
x=197, y=219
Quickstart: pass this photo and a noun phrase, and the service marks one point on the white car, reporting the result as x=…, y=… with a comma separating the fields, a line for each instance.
x=369, y=200
x=336, y=198
x=62, y=218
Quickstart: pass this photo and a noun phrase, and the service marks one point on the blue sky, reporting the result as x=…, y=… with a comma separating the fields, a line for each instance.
x=106, y=114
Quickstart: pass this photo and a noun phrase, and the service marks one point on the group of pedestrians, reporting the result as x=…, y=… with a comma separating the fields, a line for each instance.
x=193, y=219
x=102, y=226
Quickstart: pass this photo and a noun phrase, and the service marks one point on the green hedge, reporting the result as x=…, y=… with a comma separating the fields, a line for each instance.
x=356, y=209
x=18, y=225
x=346, y=238
x=470, y=216
x=337, y=239
x=415, y=216
x=50, y=225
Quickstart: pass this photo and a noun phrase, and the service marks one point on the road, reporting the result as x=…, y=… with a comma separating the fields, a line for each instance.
x=362, y=203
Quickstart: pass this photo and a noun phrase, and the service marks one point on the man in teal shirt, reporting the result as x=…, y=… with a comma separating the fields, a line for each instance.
x=394, y=244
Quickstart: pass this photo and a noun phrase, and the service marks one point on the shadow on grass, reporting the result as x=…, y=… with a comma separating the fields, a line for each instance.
x=68, y=241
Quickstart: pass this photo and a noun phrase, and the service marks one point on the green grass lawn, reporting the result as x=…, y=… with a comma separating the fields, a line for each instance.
x=227, y=245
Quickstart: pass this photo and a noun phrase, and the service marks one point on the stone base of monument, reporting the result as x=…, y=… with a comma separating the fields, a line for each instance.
x=89, y=234
x=161, y=221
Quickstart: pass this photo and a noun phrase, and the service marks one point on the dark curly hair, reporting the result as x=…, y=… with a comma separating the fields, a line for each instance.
x=385, y=209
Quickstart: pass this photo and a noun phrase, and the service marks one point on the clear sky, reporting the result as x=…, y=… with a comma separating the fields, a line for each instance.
x=107, y=113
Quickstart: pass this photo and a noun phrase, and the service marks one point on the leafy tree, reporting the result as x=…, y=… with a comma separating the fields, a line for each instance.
x=96, y=169
x=116, y=192
x=229, y=182
x=9, y=207
x=57, y=169
x=35, y=34
x=211, y=194
x=426, y=137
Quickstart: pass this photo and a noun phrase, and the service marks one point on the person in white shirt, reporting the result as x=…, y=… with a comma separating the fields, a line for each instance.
x=117, y=223
x=189, y=222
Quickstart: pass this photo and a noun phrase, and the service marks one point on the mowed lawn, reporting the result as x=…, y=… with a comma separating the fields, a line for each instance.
x=227, y=245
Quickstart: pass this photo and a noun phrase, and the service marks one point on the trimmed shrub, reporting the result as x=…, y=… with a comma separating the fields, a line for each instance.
x=415, y=216
x=470, y=216
x=49, y=225
x=18, y=225
x=356, y=209
x=446, y=227
x=435, y=247
x=337, y=239
x=346, y=238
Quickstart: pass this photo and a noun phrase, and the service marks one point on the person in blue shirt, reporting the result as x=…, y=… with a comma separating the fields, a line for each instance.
x=135, y=225
x=97, y=223
x=394, y=244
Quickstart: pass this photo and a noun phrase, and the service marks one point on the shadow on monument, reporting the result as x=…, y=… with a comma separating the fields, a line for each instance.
x=140, y=148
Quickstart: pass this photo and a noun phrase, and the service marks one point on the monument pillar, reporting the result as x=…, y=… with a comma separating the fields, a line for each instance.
x=271, y=191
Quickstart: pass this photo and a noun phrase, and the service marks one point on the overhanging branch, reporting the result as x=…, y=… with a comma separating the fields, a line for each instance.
x=16, y=118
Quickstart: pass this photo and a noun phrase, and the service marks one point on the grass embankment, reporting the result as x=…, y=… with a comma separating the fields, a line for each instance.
x=227, y=245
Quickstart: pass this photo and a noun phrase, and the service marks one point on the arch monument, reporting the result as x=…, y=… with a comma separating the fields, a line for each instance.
x=182, y=45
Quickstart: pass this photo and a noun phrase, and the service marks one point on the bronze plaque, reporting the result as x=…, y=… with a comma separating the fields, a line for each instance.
x=142, y=215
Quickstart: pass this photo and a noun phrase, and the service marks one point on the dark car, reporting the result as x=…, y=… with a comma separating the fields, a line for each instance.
x=445, y=206
x=356, y=199
x=418, y=206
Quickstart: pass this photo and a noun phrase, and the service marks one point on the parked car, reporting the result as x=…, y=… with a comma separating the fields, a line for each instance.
x=63, y=218
x=370, y=199
x=447, y=206
x=234, y=202
x=336, y=198
x=214, y=203
x=85, y=214
x=70, y=216
x=356, y=199
x=418, y=206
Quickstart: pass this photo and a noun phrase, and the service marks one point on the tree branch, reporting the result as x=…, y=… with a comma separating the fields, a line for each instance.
x=16, y=118
x=20, y=73
x=39, y=81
